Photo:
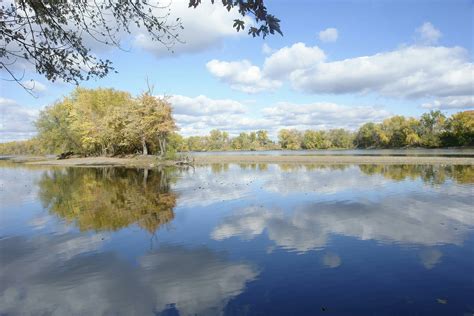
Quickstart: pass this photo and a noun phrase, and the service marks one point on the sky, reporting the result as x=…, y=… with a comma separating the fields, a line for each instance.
x=338, y=64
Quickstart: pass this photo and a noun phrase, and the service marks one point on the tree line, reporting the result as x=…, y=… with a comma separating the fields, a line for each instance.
x=431, y=130
x=93, y=122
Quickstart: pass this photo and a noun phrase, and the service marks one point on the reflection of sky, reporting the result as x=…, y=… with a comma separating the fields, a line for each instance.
x=61, y=275
x=20, y=208
x=418, y=221
x=238, y=232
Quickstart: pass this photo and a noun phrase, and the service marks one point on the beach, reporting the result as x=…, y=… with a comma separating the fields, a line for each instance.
x=153, y=161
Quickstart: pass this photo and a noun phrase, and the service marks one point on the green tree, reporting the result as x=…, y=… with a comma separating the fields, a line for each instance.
x=149, y=119
x=262, y=138
x=90, y=107
x=340, y=138
x=459, y=130
x=290, y=139
x=315, y=140
x=54, y=128
x=432, y=127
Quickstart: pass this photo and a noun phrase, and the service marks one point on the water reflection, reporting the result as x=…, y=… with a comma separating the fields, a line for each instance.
x=420, y=220
x=246, y=239
x=62, y=275
x=103, y=199
x=434, y=174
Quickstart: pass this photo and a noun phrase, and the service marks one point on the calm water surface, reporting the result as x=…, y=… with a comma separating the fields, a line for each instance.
x=438, y=152
x=237, y=240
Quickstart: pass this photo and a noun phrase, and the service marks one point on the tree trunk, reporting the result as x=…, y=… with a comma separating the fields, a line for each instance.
x=145, y=148
x=164, y=147
x=145, y=177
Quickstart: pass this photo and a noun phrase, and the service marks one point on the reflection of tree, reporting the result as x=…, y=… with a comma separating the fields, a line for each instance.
x=219, y=167
x=109, y=198
x=435, y=174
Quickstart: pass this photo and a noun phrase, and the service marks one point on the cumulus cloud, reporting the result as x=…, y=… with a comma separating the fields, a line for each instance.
x=451, y=103
x=409, y=72
x=428, y=34
x=36, y=276
x=202, y=105
x=242, y=75
x=203, y=27
x=288, y=59
x=198, y=115
x=16, y=120
x=328, y=35
x=322, y=115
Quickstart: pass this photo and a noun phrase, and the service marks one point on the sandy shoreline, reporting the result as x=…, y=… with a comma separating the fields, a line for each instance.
x=151, y=161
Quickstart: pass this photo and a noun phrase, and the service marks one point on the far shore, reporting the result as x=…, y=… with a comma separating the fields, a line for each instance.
x=153, y=161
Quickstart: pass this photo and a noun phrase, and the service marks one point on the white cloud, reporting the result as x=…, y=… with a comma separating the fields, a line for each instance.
x=204, y=27
x=409, y=72
x=449, y=103
x=202, y=105
x=428, y=34
x=16, y=121
x=322, y=115
x=328, y=35
x=242, y=75
x=288, y=59
x=198, y=115
x=246, y=77
x=34, y=86
x=266, y=49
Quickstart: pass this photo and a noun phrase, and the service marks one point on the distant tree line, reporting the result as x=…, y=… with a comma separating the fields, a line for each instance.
x=432, y=130
x=220, y=140
x=93, y=122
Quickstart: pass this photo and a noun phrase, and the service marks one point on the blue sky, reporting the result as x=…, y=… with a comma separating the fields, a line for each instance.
x=378, y=58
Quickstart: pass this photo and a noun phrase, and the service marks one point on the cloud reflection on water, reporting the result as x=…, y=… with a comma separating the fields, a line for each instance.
x=65, y=275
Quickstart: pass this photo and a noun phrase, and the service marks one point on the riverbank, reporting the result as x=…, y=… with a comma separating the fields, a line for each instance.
x=152, y=161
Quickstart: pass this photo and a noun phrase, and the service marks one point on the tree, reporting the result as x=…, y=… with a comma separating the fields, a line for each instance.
x=150, y=118
x=262, y=138
x=315, y=140
x=367, y=136
x=53, y=35
x=340, y=138
x=459, y=130
x=290, y=139
x=89, y=117
x=432, y=126
x=217, y=140
x=54, y=128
